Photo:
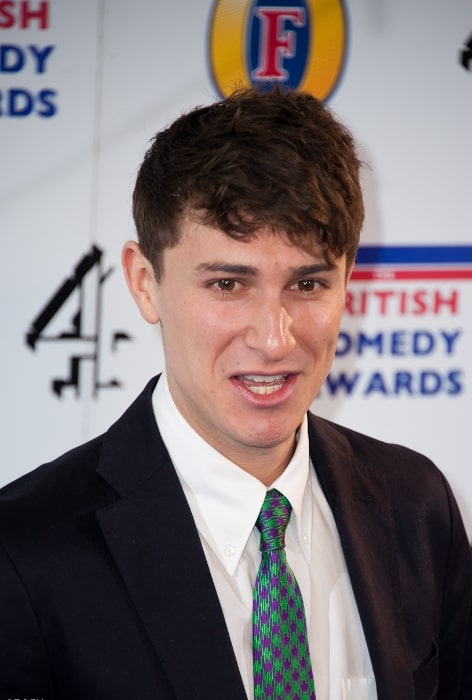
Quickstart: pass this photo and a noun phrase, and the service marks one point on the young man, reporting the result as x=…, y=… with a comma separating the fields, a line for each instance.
x=131, y=567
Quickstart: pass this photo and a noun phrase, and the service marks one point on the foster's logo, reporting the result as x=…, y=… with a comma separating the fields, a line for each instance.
x=298, y=43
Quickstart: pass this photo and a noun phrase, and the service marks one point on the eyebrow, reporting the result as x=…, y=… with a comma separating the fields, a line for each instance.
x=248, y=270
x=227, y=268
x=313, y=269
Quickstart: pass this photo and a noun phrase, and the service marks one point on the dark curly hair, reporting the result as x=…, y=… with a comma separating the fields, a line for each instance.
x=277, y=159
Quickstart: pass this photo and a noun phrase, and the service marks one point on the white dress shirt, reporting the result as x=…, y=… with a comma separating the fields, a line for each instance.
x=225, y=502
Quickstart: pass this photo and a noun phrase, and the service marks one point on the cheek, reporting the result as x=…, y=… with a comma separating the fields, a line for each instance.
x=219, y=327
x=321, y=330
x=203, y=338
x=180, y=336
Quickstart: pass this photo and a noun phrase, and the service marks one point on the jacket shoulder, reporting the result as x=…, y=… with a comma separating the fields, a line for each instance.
x=73, y=485
x=54, y=491
x=367, y=449
x=407, y=475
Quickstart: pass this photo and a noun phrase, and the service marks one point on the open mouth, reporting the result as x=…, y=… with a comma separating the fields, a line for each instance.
x=262, y=383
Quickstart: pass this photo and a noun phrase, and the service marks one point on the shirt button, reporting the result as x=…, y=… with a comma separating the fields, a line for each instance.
x=229, y=550
x=305, y=538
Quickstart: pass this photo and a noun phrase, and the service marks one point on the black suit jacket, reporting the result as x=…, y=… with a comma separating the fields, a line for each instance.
x=105, y=592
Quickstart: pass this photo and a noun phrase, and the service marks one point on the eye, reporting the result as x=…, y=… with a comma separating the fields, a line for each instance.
x=306, y=285
x=225, y=285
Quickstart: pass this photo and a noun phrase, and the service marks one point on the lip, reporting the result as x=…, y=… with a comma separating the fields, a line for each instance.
x=265, y=396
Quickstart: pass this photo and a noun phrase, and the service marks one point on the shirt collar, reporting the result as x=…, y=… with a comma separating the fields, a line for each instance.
x=224, y=499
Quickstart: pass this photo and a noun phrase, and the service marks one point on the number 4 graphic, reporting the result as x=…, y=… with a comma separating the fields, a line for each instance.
x=86, y=283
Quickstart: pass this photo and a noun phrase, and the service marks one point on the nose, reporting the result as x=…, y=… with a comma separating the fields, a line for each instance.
x=269, y=330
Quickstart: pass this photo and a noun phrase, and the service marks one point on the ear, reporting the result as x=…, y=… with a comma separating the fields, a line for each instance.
x=141, y=281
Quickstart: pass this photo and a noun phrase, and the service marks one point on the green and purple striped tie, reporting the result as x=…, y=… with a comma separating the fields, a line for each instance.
x=282, y=664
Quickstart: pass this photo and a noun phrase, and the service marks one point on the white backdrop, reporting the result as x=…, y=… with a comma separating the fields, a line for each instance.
x=83, y=87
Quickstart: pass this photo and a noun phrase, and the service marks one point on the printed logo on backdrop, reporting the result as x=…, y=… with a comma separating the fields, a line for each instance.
x=296, y=43
x=25, y=89
x=465, y=55
x=403, y=331
x=72, y=317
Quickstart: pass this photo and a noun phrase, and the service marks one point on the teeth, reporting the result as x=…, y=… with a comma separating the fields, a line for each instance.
x=263, y=383
x=266, y=379
x=268, y=389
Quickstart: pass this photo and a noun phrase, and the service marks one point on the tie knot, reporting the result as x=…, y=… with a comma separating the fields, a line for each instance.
x=273, y=520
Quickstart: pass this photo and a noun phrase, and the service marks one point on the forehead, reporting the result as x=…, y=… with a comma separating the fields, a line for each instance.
x=201, y=246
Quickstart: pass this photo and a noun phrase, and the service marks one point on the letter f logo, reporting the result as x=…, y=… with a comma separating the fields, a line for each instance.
x=276, y=41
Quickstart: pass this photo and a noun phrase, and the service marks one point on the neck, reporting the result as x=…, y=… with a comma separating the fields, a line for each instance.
x=266, y=465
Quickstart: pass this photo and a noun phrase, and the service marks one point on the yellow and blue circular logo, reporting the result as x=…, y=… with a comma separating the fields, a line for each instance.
x=300, y=44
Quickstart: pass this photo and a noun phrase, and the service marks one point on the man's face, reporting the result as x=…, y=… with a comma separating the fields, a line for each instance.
x=249, y=332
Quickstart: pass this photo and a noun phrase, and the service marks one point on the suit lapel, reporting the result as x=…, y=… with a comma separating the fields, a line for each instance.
x=152, y=536
x=356, y=494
